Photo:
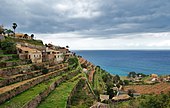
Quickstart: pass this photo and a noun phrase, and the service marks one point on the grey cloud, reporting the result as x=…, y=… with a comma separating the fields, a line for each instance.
x=89, y=18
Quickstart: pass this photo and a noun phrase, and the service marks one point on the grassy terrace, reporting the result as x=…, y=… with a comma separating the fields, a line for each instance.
x=58, y=98
x=21, y=99
x=98, y=83
x=31, y=41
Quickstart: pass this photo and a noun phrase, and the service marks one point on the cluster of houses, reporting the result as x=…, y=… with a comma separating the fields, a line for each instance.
x=156, y=78
x=49, y=53
x=19, y=35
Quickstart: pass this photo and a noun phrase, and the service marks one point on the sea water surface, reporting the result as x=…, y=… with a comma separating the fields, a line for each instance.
x=122, y=62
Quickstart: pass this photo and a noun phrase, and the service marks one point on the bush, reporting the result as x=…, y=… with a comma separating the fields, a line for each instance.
x=126, y=82
x=45, y=70
x=73, y=62
x=8, y=47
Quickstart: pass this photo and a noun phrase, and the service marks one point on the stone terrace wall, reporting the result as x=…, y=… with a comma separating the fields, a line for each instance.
x=4, y=58
x=32, y=82
x=21, y=77
x=5, y=72
x=4, y=64
x=72, y=93
x=35, y=102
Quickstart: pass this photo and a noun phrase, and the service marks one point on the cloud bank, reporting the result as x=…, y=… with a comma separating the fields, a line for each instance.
x=104, y=24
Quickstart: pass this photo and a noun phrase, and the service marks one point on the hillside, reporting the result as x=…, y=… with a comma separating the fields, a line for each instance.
x=27, y=82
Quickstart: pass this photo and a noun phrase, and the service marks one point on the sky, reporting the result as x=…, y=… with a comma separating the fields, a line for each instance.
x=92, y=24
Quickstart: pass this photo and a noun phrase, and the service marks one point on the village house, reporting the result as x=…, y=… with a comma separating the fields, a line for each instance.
x=64, y=50
x=104, y=97
x=122, y=97
x=154, y=78
x=22, y=36
x=50, y=54
x=26, y=53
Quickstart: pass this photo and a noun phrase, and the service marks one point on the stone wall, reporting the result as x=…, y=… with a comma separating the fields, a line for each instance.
x=9, y=71
x=17, y=90
x=4, y=58
x=35, y=102
x=4, y=64
x=72, y=93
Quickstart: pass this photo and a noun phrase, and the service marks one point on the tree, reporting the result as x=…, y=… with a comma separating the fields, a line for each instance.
x=130, y=92
x=14, y=26
x=67, y=46
x=8, y=47
x=32, y=36
x=116, y=78
x=1, y=29
x=8, y=31
x=132, y=74
x=111, y=92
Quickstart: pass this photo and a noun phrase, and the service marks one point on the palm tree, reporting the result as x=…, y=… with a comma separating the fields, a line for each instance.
x=14, y=27
x=1, y=29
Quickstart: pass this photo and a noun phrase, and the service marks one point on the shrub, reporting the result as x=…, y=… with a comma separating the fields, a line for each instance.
x=45, y=70
x=8, y=47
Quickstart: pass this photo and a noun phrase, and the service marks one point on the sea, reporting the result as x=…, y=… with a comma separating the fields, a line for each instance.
x=121, y=62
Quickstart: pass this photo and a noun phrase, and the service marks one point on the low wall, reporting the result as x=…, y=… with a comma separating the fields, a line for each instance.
x=36, y=101
x=29, y=75
x=4, y=58
x=9, y=71
x=17, y=90
x=72, y=93
x=4, y=64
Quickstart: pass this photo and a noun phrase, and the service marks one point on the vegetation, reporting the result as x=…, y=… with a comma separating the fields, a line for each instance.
x=21, y=99
x=73, y=63
x=1, y=29
x=14, y=26
x=134, y=74
x=45, y=70
x=58, y=98
x=8, y=47
x=146, y=101
x=98, y=83
x=30, y=41
x=82, y=97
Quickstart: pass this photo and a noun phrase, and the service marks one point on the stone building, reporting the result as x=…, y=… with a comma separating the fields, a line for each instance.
x=26, y=53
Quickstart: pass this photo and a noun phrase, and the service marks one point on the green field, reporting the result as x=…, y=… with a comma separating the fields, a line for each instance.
x=23, y=98
x=58, y=98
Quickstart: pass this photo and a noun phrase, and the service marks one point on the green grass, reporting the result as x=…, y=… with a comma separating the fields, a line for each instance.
x=1, y=78
x=3, y=55
x=98, y=82
x=58, y=98
x=30, y=41
x=21, y=99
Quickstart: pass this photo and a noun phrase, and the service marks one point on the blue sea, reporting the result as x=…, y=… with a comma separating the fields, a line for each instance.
x=122, y=62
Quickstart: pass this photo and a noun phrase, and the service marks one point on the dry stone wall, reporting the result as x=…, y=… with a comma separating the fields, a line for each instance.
x=30, y=83
x=36, y=101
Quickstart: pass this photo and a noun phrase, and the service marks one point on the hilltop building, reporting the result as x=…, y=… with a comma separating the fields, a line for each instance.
x=26, y=53
x=50, y=54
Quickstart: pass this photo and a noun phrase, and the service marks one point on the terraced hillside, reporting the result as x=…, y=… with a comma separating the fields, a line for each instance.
x=24, y=84
x=29, y=92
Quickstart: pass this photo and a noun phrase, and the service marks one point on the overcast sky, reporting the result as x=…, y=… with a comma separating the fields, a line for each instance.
x=92, y=24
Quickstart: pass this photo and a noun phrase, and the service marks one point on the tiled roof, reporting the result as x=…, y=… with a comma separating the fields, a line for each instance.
x=121, y=97
x=28, y=49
